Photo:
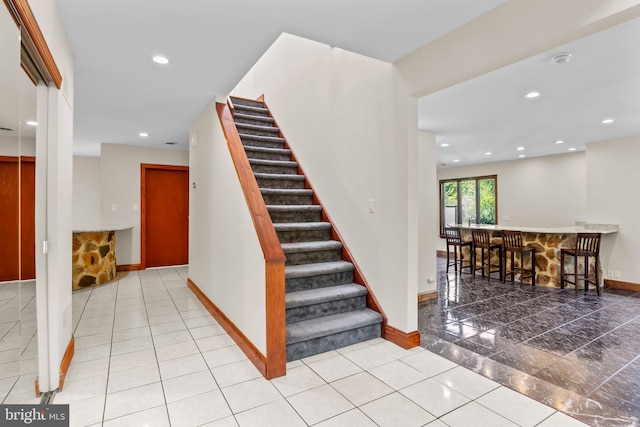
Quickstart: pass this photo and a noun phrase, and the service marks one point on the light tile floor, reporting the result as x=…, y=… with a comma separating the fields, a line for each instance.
x=149, y=354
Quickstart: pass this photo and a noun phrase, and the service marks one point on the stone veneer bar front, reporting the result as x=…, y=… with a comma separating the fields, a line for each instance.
x=94, y=256
x=547, y=242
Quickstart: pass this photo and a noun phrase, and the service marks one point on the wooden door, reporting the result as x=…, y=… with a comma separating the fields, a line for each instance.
x=165, y=215
x=17, y=218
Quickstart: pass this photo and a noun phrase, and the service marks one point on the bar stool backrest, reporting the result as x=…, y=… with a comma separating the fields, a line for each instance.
x=481, y=237
x=453, y=235
x=588, y=243
x=512, y=239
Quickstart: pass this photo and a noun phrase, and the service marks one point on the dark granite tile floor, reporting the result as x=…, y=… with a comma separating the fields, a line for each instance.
x=577, y=353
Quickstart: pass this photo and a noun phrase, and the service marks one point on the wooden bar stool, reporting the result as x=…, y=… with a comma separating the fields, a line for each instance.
x=512, y=244
x=587, y=246
x=482, y=241
x=454, y=239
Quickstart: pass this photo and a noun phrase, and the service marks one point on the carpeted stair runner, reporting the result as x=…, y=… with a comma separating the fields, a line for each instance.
x=325, y=310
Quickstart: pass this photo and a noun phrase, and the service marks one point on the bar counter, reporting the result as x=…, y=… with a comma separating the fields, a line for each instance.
x=547, y=242
x=94, y=256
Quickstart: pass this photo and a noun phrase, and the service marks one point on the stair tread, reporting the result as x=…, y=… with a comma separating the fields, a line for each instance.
x=290, y=226
x=273, y=162
x=294, y=207
x=322, y=295
x=328, y=325
x=261, y=137
x=317, y=268
x=253, y=117
x=267, y=149
x=319, y=245
x=263, y=175
x=258, y=127
x=238, y=106
x=287, y=191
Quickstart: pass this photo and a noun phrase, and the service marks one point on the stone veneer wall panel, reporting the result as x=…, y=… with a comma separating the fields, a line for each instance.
x=94, y=260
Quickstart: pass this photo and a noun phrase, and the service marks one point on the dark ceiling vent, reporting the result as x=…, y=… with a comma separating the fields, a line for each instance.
x=4, y=128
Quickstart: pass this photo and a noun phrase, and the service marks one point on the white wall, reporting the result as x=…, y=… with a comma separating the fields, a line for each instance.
x=612, y=198
x=537, y=192
x=347, y=119
x=86, y=192
x=120, y=185
x=53, y=199
x=428, y=217
x=225, y=257
x=14, y=146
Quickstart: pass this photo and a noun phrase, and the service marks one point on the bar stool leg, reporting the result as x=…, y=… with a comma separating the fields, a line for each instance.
x=586, y=274
x=561, y=270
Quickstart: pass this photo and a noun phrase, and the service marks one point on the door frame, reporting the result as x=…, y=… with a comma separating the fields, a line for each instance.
x=143, y=202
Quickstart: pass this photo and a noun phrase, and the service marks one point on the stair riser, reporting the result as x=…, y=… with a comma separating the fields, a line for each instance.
x=259, y=132
x=285, y=170
x=308, y=348
x=309, y=257
x=279, y=199
x=268, y=156
x=249, y=102
x=303, y=235
x=254, y=121
x=320, y=281
x=314, y=311
x=265, y=144
x=295, y=216
x=289, y=184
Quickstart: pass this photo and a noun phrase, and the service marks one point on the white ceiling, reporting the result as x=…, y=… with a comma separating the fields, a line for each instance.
x=119, y=92
x=490, y=114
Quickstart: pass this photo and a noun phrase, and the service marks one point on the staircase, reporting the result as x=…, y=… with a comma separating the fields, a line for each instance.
x=325, y=310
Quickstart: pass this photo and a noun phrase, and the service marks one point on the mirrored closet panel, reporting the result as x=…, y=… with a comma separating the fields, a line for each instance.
x=18, y=330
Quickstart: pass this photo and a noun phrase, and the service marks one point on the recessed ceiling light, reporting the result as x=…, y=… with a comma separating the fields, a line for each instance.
x=572, y=149
x=31, y=123
x=488, y=153
x=520, y=148
x=521, y=155
x=160, y=60
x=561, y=58
x=143, y=134
x=606, y=121
x=456, y=161
x=559, y=141
x=533, y=94
x=444, y=145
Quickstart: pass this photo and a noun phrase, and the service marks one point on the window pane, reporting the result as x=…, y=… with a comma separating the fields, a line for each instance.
x=487, y=201
x=450, y=191
x=468, y=201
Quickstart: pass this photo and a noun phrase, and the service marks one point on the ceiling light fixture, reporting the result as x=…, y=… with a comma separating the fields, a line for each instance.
x=488, y=153
x=31, y=123
x=520, y=148
x=561, y=58
x=456, y=161
x=606, y=121
x=444, y=145
x=559, y=141
x=160, y=60
x=143, y=134
x=572, y=149
x=521, y=155
x=532, y=94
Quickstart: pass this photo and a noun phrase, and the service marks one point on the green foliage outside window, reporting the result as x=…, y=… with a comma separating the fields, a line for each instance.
x=469, y=200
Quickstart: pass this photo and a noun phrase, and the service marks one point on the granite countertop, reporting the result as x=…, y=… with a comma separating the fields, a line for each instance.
x=100, y=228
x=586, y=228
